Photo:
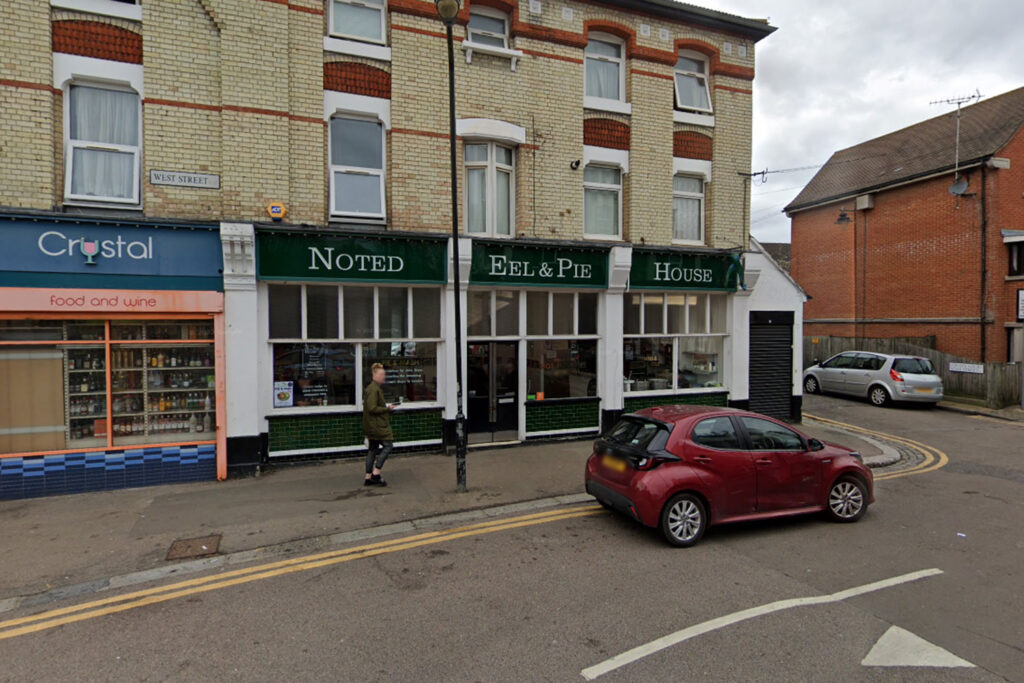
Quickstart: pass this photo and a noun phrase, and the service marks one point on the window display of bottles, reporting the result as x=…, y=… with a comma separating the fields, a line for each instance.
x=187, y=357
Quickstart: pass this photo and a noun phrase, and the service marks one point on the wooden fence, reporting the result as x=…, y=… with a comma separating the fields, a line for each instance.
x=999, y=384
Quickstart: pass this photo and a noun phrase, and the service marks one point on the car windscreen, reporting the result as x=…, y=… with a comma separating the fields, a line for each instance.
x=631, y=431
x=913, y=366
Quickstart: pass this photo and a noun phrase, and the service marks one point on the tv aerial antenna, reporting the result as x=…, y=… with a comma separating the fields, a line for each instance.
x=959, y=186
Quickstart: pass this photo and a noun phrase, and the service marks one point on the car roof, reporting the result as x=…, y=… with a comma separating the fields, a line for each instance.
x=671, y=414
x=883, y=355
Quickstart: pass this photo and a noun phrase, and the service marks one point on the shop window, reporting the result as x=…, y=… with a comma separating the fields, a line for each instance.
x=1016, y=258
x=411, y=369
x=604, y=68
x=559, y=313
x=602, y=201
x=691, y=76
x=358, y=20
x=357, y=168
x=103, y=145
x=490, y=189
x=506, y=313
x=561, y=368
x=688, y=209
x=681, y=330
x=537, y=313
x=563, y=308
x=488, y=27
x=160, y=376
x=327, y=365
x=586, y=313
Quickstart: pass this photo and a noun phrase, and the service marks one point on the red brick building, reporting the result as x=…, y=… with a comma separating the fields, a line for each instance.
x=885, y=249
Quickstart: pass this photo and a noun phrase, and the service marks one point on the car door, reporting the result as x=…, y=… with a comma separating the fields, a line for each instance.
x=726, y=469
x=860, y=373
x=832, y=372
x=788, y=474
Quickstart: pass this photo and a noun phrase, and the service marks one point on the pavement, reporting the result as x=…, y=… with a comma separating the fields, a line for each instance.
x=62, y=546
x=1010, y=413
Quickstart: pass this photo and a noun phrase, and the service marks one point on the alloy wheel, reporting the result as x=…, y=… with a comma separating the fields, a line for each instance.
x=685, y=520
x=846, y=500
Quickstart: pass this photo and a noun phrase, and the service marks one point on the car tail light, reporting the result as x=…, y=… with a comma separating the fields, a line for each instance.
x=895, y=375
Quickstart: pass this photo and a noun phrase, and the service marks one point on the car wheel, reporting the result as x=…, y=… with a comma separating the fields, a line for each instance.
x=684, y=520
x=878, y=396
x=811, y=385
x=847, y=500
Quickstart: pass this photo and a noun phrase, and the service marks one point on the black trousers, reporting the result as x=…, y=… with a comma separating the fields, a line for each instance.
x=376, y=454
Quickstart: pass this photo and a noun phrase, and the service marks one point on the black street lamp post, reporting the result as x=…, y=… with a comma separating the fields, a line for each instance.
x=448, y=10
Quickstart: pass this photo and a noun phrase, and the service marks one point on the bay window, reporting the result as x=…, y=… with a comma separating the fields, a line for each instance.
x=490, y=189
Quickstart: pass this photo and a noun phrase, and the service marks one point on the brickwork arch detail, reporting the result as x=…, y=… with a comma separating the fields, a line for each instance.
x=96, y=39
x=359, y=79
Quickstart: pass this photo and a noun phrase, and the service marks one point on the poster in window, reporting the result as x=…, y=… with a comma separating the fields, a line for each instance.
x=284, y=396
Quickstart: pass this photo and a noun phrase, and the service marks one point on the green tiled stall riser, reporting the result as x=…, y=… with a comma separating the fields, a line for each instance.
x=550, y=417
x=346, y=429
x=719, y=399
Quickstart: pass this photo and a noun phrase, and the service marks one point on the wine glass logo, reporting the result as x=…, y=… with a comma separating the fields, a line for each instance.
x=89, y=249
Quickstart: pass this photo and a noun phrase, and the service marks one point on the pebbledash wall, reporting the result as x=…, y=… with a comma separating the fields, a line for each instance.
x=227, y=126
x=111, y=355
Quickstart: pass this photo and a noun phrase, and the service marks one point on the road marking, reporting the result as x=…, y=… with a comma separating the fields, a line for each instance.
x=1001, y=421
x=899, y=647
x=933, y=458
x=97, y=608
x=685, y=634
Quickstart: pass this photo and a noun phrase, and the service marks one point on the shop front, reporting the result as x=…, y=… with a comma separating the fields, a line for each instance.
x=330, y=306
x=534, y=340
x=676, y=328
x=111, y=355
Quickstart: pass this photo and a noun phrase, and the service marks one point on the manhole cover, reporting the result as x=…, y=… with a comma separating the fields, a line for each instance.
x=188, y=548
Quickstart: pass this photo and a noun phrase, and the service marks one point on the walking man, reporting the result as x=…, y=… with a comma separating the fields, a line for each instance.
x=376, y=426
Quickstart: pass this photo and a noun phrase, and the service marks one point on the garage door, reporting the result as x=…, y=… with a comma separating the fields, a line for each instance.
x=771, y=363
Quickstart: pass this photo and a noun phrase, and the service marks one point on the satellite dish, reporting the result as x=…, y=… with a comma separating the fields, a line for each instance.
x=959, y=187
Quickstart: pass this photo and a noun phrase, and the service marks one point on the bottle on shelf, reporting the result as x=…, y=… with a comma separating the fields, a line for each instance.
x=207, y=422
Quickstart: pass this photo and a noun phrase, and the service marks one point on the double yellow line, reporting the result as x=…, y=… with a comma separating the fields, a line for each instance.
x=933, y=457
x=122, y=603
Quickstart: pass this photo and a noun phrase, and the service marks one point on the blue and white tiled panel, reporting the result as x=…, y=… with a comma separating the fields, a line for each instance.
x=50, y=475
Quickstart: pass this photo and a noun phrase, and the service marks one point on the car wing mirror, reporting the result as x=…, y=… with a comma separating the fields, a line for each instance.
x=815, y=445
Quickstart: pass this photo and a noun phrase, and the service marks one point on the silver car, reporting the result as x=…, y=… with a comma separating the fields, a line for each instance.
x=879, y=377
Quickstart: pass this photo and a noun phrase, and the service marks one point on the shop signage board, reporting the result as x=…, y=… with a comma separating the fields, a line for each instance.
x=304, y=256
x=85, y=254
x=684, y=270
x=538, y=265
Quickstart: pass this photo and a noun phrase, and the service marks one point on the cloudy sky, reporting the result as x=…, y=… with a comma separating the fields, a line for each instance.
x=837, y=73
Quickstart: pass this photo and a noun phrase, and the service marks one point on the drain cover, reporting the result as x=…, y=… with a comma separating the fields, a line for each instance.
x=188, y=548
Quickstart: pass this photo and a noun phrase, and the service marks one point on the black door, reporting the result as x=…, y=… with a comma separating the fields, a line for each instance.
x=491, y=403
x=770, y=364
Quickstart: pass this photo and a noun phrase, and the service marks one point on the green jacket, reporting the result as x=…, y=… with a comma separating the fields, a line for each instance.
x=376, y=416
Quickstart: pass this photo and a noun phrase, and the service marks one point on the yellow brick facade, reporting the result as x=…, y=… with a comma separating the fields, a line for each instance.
x=235, y=88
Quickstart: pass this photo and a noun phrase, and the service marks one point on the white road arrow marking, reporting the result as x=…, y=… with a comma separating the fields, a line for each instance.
x=899, y=647
x=664, y=642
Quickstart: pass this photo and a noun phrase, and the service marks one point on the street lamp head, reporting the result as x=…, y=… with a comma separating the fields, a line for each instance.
x=844, y=218
x=448, y=10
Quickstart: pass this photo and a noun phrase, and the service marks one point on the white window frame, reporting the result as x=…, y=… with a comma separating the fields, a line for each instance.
x=689, y=195
x=71, y=145
x=706, y=77
x=620, y=61
x=490, y=13
x=490, y=188
x=110, y=8
x=676, y=337
x=359, y=170
x=603, y=187
x=379, y=5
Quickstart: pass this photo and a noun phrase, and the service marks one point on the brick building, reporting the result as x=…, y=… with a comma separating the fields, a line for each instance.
x=886, y=249
x=599, y=152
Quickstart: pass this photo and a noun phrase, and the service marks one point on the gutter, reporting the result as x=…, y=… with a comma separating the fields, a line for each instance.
x=755, y=29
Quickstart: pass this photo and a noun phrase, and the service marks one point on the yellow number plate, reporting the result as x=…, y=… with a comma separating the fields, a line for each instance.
x=613, y=463
x=924, y=390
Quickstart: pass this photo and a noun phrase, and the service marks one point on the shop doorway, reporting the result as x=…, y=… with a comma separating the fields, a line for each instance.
x=493, y=397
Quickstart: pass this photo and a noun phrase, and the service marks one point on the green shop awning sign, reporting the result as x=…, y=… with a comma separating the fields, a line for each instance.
x=683, y=270
x=302, y=256
x=536, y=265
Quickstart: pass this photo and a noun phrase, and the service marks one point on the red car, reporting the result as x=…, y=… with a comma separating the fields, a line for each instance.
x=683, y=468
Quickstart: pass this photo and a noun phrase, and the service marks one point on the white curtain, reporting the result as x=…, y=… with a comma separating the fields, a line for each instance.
x=357, y=193
x=691, y=92
x=686, y=219
x=602, y=79
x=106, y=117
x=601, y=212
x=476, y=200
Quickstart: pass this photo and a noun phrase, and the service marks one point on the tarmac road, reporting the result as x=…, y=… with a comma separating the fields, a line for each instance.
x=550, y=595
